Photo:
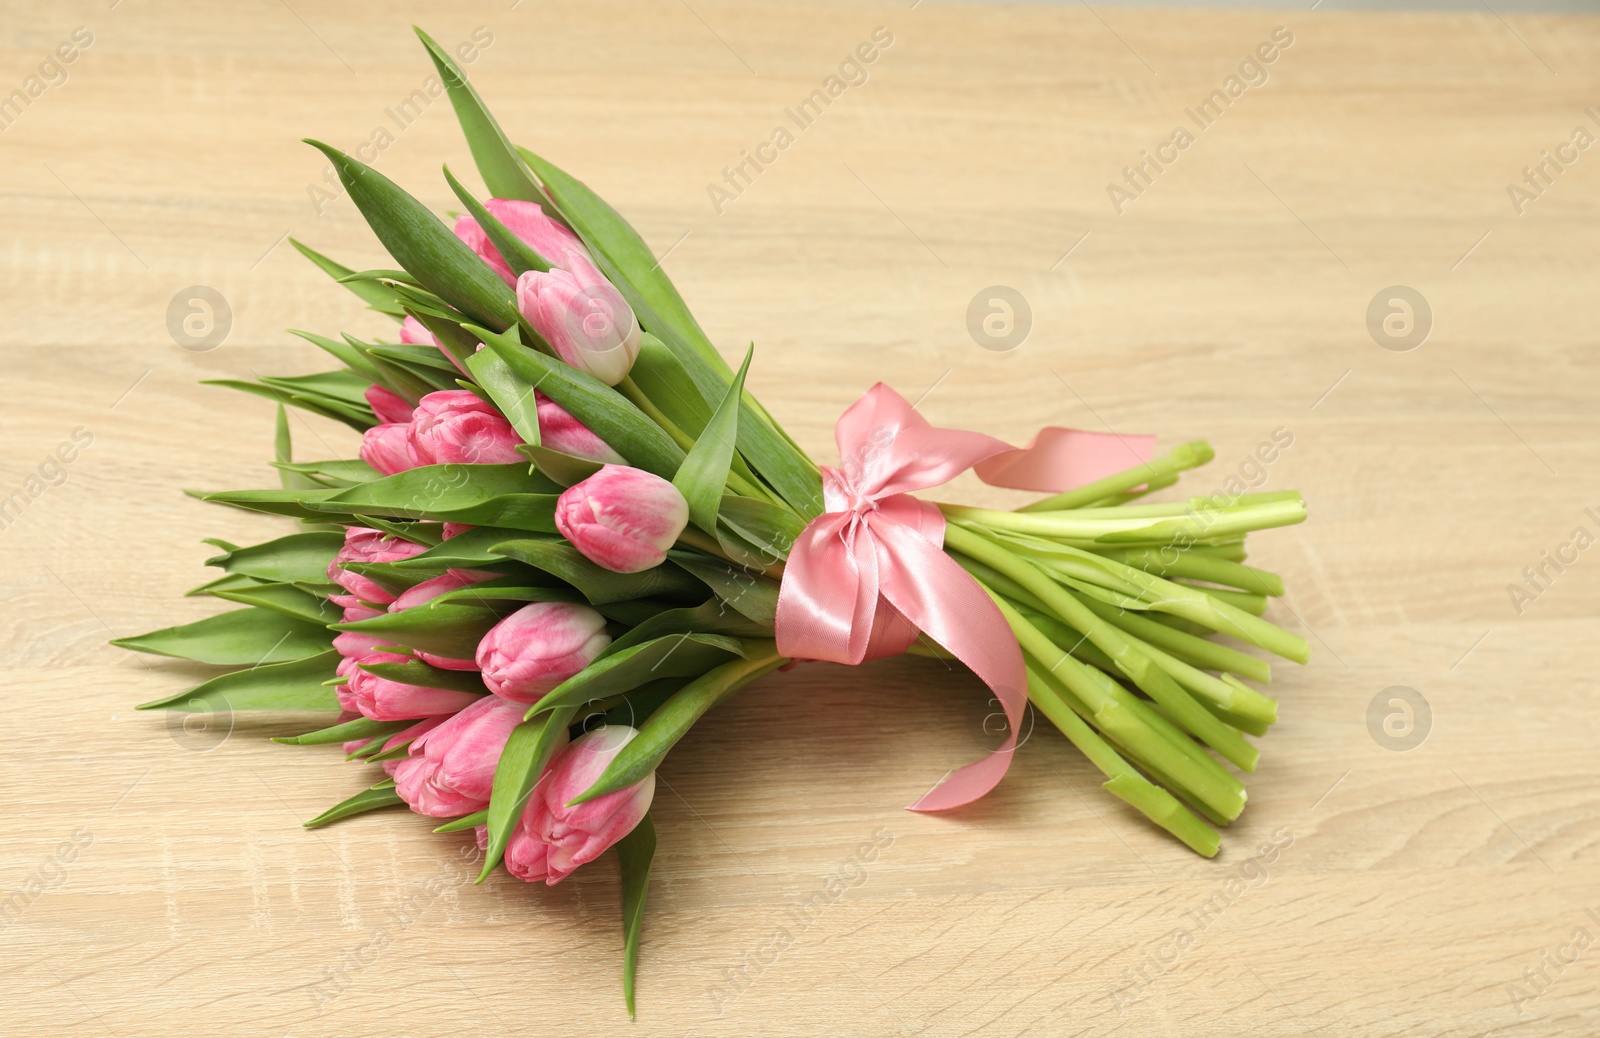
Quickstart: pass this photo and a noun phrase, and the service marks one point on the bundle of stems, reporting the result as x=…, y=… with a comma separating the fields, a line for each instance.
x=1112, y=603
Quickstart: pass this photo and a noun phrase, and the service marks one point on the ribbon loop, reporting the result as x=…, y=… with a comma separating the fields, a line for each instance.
x=864, y=577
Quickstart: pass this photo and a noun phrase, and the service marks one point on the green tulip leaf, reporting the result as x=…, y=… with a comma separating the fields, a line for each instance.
x=381, y=795
x=599, y=586
x=674, y=719
x=449, y=629
x=670, y=656
x=244, y=637
x=521, y=766
x=704, y=472
x=423, y=245
x=297, y=558
x=497, y=161
x=635, y=852
x=518, y=254
x=609, y=414
x=283, y=598
x=360, y=728
x=482, y=495
x=296, y=685
x=745, y=590
x=375, y=294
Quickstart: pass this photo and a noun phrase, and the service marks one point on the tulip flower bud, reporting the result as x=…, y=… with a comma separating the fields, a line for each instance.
x=388, y=406
x=427, y=591
x=538, y=647
x=387, y=448
x=527, y=221
x=551, y=839
x=559, y=431
x=450, y=770
x=453, y=426
x=384, y=699
x=370, y=546
x=582, y=316
x=622, y=518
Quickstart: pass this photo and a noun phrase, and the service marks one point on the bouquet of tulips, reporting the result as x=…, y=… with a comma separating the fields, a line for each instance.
x=571, y=532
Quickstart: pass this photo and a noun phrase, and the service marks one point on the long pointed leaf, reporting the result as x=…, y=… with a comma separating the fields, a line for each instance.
x=244, y=637
x=422, y=244
x=635, y=852
x=704, y=473
x=498, y=163
x=297, y=685
x=521, y=765
x=381, y=795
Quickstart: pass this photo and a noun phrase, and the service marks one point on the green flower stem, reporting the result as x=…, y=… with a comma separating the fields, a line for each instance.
x=1232, y=551
x=1255, y=605
x=1105, y=527
x=1164, y=809
x=1138, y=666
x=1191, y=649
x=1187, y=456
x=1133, y=495
x=1187, y=565
x=1118, y=713
x=1153, y=802
x=1248, y=709
x=1159, y=594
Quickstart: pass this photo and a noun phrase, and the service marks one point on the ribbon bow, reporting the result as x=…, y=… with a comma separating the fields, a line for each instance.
x=863, y=578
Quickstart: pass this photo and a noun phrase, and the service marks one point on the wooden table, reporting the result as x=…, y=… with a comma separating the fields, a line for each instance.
x=1435, y=889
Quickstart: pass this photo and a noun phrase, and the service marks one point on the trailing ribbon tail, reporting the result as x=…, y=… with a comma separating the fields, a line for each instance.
x=863, y=578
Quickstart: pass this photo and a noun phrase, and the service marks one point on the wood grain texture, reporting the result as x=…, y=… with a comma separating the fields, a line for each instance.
x=1411, y=893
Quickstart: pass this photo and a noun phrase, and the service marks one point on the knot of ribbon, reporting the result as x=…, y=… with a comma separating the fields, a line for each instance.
x=871, y=572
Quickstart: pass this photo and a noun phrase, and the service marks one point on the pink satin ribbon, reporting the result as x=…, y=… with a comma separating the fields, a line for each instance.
x=863, y=578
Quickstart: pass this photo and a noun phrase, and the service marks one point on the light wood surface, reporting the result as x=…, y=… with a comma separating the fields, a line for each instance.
x=1226, y=302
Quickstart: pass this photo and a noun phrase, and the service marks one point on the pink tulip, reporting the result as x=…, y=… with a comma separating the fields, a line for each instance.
x=551, y=839
x=622, y=518
x=385, y=699
x=450, y=770
x=538, y=647
x=456, y=529
x=427, y=591
x=528, y=222
x=362, y=545
x=390, y=407
x=559, y=431
x=583, y=317
x=387, y=448
x=453, y=426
